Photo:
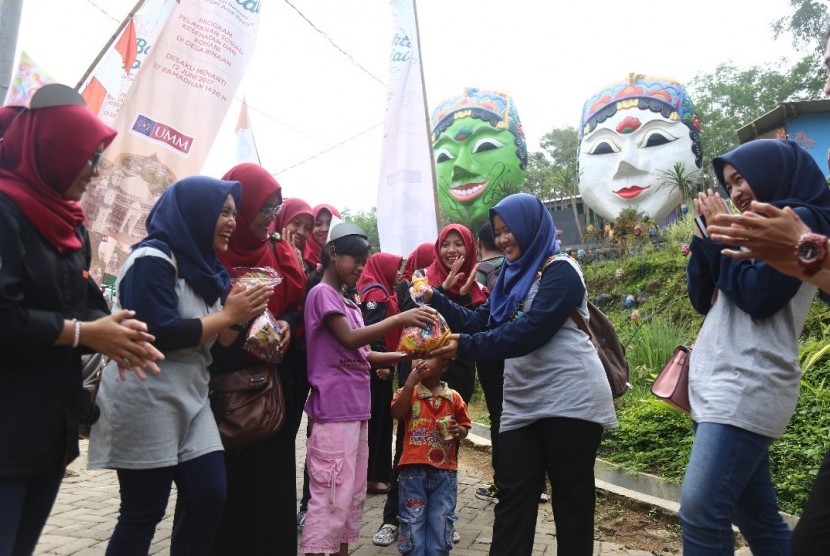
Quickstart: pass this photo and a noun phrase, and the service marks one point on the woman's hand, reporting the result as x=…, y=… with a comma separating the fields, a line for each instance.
x=123, y=339
x=449, y=351
x=422, y=316
x=708, y=204
x=453, y=276
x=767, y=232
x=288, y=236
x=285, y=336
x=243, y=304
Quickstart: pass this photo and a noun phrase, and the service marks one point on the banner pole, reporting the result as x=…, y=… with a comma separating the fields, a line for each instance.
x=427, y=121
x=109, y=43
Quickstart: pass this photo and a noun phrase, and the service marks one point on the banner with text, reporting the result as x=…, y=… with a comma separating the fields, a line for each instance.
x=110, y=80
x=406, y=192
x=169, y=119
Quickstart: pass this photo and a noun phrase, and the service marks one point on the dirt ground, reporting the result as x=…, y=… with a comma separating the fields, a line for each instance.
x=619, y=520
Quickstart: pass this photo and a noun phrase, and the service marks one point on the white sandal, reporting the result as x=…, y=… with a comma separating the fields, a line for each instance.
x=386, y=535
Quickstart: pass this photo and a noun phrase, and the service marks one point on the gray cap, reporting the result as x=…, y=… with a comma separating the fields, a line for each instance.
x=343, y=229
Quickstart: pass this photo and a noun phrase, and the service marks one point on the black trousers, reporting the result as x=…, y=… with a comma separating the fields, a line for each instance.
x=812, y=534
x=565, y=449
x=491, y=378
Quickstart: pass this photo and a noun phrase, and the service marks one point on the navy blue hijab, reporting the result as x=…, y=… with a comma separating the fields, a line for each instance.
x=532, y=227
x=781, y=173
x=183, y=221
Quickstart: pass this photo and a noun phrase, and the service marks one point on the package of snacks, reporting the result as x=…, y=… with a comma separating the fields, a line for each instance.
x=417, y=338
x=254, y=276
x=419, y=284
x=263, y=338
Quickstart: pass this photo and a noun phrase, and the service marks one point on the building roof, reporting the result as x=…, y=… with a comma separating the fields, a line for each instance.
x=777, y=117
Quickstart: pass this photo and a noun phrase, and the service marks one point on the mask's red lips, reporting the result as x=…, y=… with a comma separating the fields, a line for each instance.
x=631, y=191
x=468, y=192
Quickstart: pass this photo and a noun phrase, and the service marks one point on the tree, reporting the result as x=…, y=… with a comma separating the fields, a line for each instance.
x=539, y=176
x=368, y=220
x=807, y=23
x=566, y=180
x=731, y=97
x=688, y=183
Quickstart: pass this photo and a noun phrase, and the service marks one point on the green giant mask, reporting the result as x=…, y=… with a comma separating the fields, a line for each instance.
x=480, y=154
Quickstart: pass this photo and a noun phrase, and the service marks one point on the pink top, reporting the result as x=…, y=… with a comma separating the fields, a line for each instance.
x=339, y=377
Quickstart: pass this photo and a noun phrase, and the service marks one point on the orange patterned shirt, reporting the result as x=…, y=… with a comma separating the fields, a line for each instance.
x=423, y=442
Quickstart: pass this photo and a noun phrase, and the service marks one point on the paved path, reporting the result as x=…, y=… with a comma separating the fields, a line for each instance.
x=86, y=509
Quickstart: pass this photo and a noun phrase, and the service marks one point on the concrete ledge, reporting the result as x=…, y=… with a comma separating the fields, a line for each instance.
x=643, y=487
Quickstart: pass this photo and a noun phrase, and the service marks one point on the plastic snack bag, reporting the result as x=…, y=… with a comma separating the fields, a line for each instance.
x=418, y=338
x=263, y=339
x=253, y=276
x=419, y=284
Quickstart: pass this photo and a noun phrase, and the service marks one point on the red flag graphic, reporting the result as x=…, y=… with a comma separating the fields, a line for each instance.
x=94, y=94
x=126, y=46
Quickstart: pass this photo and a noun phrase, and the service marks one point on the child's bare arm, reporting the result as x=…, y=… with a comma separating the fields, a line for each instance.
x=401, y=405
x=353, y=338
x=385, y=359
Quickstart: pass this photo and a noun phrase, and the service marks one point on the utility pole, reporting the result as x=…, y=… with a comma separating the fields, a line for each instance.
x=10, y=11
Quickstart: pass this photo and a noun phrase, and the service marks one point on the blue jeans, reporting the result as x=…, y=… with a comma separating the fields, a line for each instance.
x=728, y=481
x=26, y=503
x=426, y=510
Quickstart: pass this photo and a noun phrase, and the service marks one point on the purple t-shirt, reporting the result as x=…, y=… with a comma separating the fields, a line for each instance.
x=339, y=377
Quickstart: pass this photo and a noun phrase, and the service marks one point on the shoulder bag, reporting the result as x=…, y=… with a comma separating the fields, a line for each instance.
x=672, y=384
x=248, y=405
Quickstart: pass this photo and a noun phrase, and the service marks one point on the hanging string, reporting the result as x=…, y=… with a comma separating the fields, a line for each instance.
x=328, y=38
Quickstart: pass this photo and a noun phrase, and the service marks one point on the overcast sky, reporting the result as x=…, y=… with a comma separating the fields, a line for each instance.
x=307, y=98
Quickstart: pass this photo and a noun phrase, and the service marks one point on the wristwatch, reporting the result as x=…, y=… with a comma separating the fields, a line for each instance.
x=811, y=250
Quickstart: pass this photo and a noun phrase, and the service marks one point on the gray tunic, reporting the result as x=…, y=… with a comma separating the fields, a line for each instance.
x=166, y=419
x=744, y=371
x=563, y=378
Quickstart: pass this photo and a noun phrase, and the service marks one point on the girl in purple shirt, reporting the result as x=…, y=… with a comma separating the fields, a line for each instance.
x=339, y=406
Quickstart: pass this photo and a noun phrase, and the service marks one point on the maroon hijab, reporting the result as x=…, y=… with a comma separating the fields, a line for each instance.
x=245, y=249
x=382, y=269
x=437, y=272
x=42, y=153
x=312, y=250
x=421, y=257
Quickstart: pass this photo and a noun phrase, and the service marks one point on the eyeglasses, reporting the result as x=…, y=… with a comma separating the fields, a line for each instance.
x=270, y=211
x=95, y=160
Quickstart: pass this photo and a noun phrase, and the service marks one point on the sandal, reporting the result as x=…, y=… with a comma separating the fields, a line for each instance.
x=386, y=535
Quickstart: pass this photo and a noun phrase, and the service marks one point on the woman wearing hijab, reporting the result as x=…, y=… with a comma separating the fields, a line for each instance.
x=557, y=399
x=378, y=301
x=162, y=430
x=455, y=246
x=295, y=218
x=321, y=215
x=743, y=375
x=50, y=308
x=262, y=492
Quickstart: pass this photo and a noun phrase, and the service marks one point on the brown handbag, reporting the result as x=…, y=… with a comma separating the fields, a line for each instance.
x=248, y=405
x=672, y=384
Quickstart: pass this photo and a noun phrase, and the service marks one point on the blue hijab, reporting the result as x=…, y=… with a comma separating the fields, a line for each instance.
x=781, y=173
x=532, y=227
x=183, y=221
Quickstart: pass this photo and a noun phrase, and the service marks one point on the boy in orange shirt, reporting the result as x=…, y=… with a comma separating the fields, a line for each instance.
x=436, y=420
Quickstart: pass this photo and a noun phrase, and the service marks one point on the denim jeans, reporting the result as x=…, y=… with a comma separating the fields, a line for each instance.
x=728, y=481
x=426, y=510
x=25, y=503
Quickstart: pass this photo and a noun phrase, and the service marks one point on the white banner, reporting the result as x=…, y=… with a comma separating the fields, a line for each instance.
x=109, y=82
x=169, y=119
x=406, y=192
